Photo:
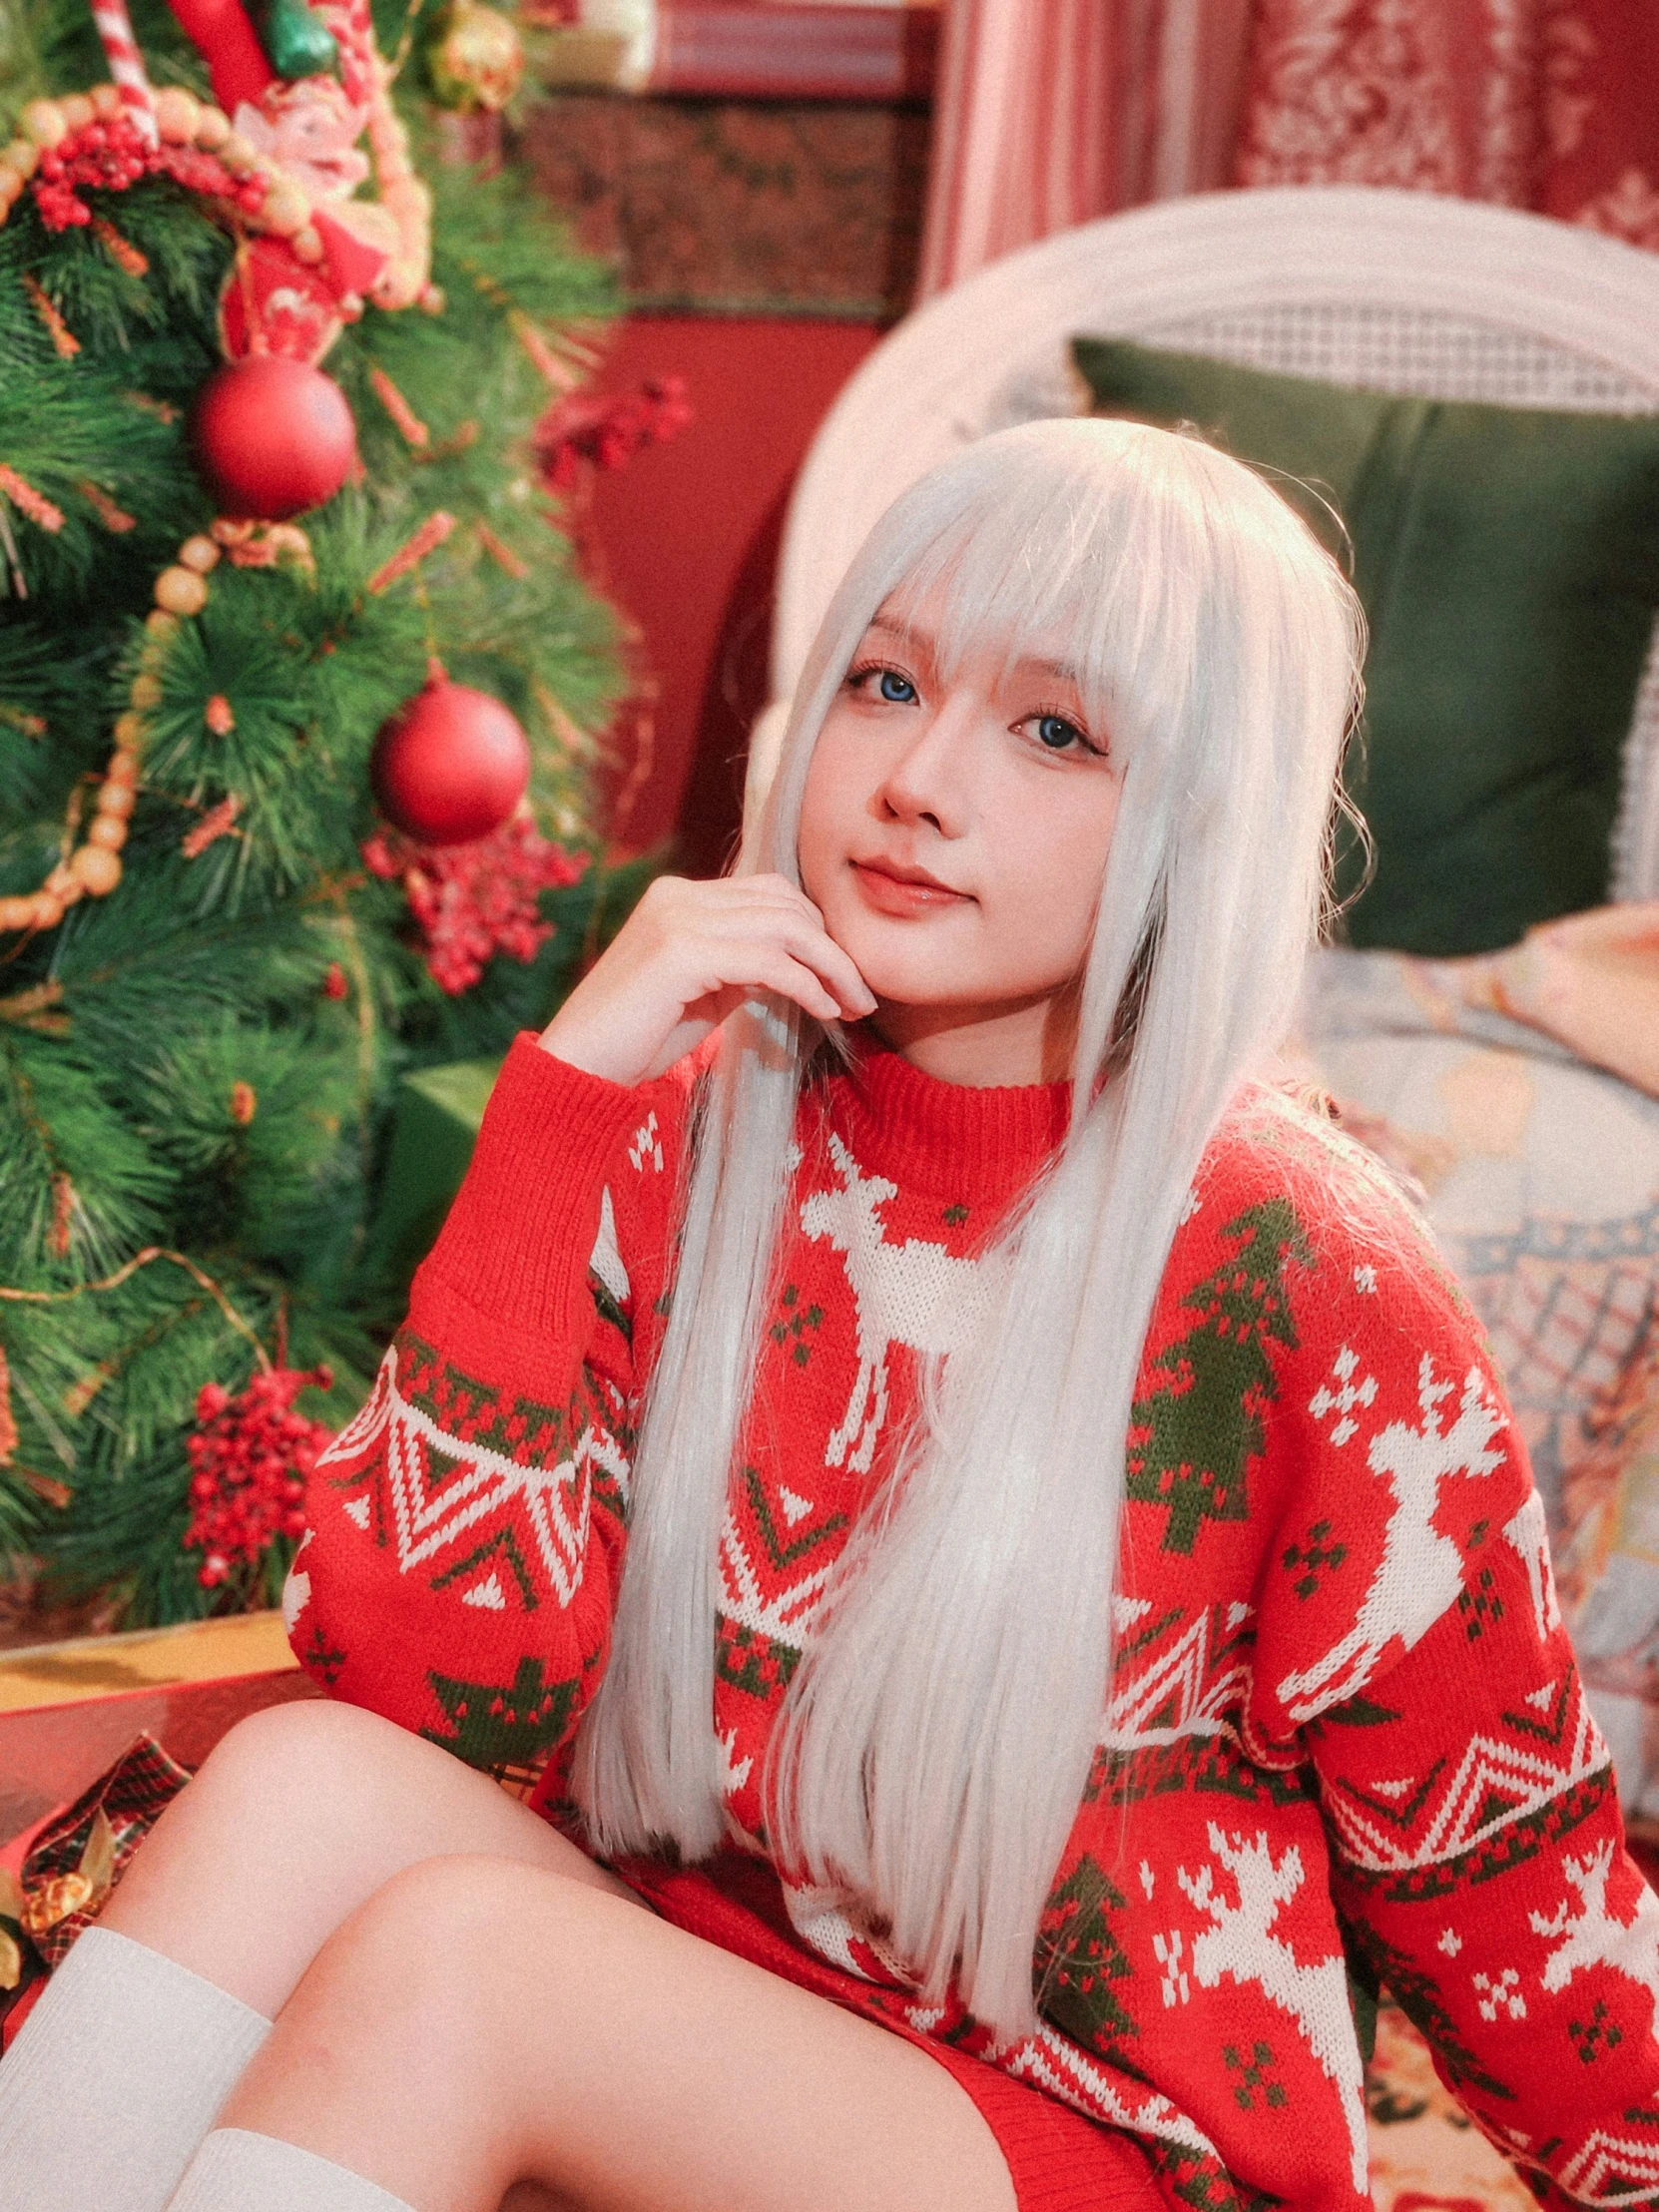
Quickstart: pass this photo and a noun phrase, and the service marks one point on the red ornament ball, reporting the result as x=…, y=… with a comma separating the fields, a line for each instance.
x=450, y=766
x=273, y=436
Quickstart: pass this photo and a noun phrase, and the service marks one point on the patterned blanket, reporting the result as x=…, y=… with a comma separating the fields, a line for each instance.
x=1427, y=2155
x=1541, y=1180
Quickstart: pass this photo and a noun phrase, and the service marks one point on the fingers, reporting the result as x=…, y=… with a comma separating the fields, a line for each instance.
x=688, y=954
x=838, y=979
x=770, y=968
x=739, y=910
x=804, y=935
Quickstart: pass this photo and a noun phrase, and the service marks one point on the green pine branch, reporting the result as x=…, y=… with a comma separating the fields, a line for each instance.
x=198, y=1073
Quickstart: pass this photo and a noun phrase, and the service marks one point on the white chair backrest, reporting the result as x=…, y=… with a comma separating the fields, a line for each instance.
x=1393, y=291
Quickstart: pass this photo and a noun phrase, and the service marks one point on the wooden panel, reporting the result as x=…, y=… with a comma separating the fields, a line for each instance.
x=150, y=1658
x=739, y=207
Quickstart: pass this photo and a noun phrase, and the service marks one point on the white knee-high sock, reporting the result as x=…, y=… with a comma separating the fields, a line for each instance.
x=239, y=2171
x=114, y=2080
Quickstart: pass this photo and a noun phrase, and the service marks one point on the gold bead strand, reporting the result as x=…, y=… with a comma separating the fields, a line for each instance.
x=93, y=867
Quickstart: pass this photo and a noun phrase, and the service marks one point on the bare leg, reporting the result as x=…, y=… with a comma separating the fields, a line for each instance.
x=300, y=1813
x=479, y=2024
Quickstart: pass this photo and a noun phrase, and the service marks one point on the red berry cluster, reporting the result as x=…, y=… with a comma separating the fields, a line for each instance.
x=248, y=1460
x=474, y=900
x=607, y=431
x=112, y=157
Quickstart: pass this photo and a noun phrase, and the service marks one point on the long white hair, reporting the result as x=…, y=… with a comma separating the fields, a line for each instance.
x=936, y=1736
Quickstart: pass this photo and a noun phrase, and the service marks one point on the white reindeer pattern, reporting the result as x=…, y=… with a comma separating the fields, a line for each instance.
x=1237, y=1943
x=1528, y=1535
x=914, y=1294
x=1421, y=1570
x=1596, y=1939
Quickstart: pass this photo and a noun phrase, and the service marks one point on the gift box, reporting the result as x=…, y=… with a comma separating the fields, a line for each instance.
x=96, y=1735
x=433, y=1131
x=71, y=1866
x=79, y=1855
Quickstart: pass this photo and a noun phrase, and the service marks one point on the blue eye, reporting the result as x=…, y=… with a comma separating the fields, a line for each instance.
x=899, y=689
x=1056, y=733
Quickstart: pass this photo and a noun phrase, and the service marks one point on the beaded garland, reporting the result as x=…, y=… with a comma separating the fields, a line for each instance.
x=96, y=139
x=91, y=138
x=93, y=869
x=88, y=138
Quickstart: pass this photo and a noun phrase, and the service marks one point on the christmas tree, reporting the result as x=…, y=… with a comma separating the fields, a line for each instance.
x=297, y=687
x=1079, y=1957
x=1193, y=1438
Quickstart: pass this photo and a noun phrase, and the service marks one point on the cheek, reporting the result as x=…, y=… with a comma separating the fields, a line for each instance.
x=828, y=807
x=813, y=843
x=1053, y=864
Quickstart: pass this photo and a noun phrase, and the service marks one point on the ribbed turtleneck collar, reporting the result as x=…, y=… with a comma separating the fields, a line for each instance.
x=945, y=1137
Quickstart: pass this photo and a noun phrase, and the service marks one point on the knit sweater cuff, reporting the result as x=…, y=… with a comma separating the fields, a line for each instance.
x=510, y=1264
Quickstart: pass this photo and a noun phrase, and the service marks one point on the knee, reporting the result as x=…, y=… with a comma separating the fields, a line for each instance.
x=429, y=1965
x=443, y=1915
x=307, y=1762
x=445, y=1983
x=466, y=1936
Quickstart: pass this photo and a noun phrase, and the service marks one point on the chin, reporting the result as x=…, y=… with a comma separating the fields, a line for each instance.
x=905, y=973
x=926, y=961
x=918, y=985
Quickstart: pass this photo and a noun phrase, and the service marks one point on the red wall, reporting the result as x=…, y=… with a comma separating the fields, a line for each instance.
x=685, y=539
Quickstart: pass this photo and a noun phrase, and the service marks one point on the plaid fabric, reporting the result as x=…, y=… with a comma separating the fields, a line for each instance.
x=77, y=1859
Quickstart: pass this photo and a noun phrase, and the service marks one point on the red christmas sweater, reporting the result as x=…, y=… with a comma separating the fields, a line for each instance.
x=1343, y=1706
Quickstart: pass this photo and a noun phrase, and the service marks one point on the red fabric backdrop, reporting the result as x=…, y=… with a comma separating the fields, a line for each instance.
x=1049, y=112
x=685, y=540
x=1547, y=103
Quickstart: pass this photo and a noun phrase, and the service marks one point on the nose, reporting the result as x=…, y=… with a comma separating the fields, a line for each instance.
x=929, y=779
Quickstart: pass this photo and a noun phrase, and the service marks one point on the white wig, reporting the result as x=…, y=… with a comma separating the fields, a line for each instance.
x=937, y=1735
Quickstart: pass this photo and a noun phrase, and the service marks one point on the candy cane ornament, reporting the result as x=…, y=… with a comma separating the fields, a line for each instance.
x=121, y=51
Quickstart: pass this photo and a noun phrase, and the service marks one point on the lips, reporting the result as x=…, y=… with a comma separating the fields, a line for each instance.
x=892, y=888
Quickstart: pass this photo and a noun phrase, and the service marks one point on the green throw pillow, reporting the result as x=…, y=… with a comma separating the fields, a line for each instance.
x=1508, y=561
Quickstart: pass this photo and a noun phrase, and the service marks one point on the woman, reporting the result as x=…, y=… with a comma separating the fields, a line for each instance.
x=1057, y=1567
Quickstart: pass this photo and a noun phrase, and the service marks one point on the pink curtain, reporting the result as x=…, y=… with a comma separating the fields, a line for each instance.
x=1546, y=104
x=1049, y=112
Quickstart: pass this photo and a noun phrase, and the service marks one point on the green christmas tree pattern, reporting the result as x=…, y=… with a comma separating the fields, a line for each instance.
x=1193, y=1438
x=502, y=1724
x=1078, y=1959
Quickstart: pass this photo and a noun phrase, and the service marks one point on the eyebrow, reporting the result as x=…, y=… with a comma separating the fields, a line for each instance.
x=900, y=630
x=1062, y=671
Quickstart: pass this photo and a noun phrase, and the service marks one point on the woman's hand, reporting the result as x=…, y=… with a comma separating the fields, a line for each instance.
x=687, y=956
